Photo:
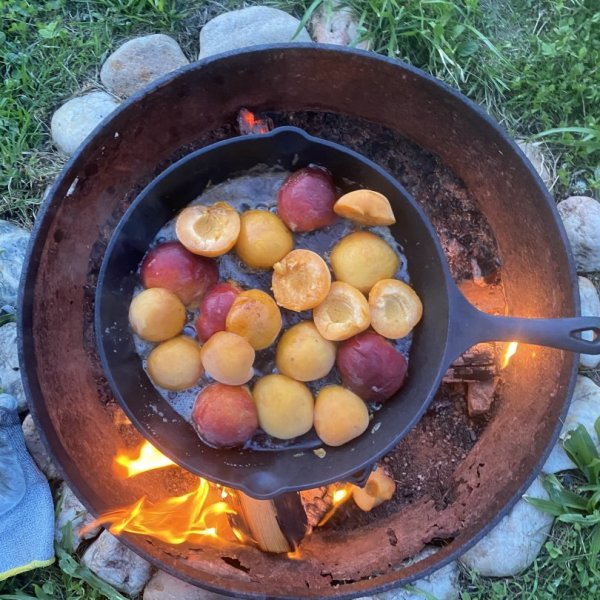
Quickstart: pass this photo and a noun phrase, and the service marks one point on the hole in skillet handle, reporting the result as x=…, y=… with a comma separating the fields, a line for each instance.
x=160, y=201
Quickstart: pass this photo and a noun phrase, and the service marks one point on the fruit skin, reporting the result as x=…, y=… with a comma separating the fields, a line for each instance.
x=285, y=406
x=340, y=415
x=362, y=259
x=255, y=316
x=156, y=314
x=214, y=308
x=208, y=230
x=224, y=415
x=365, y=207
x=263, y=240
x=228, y=358
x=174, y=268
x=395, y=308
x=304, y=354
x=343, y=313
x=379, y=488
x=306, y=198
x=371, y=367
x=301, y=280
x=175, y=364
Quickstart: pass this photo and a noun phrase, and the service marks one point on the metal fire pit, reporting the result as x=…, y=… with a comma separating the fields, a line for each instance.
x=184, y=111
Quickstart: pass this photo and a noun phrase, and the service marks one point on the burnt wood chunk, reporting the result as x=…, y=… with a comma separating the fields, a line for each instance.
x=480, y=396
x=479, y=363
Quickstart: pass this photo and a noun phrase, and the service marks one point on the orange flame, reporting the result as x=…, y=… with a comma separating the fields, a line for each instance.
x=147, y=458
x=175, y=520
x=510, y=351
x=340, y=494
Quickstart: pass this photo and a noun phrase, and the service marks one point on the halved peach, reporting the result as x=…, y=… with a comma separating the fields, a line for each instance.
x=365, y=207
x=395, y=308
x=254, y=316
x=362, y=259
x=301, y=280
x=208, y=230
x=343, y=313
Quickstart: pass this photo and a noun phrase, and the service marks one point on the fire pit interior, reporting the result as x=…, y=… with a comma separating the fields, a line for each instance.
x=467, y=459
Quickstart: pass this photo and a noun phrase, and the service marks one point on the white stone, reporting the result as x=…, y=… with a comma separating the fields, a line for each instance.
x=249, y=27
x=163, y=586
x=581, y=218
x=335, y=24
x=441, y=584
x=541, y=163
x=117, y=565
x=584, y=410
x=38, y=450
x=590, y=307
x=70, y=513
x=78, y=117
x=13, y=247
x=515, y=542
x=136, y=63
x=10, y=372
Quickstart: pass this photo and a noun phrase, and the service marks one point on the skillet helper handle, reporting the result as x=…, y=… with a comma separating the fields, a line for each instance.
x=472, y=326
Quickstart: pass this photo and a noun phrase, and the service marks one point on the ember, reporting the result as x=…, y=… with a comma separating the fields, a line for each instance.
x=249, y=124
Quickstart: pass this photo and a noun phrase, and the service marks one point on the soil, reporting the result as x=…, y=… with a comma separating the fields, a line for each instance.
x=423, y=463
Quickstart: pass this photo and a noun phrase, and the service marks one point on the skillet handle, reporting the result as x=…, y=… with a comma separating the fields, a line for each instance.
x=470, y=326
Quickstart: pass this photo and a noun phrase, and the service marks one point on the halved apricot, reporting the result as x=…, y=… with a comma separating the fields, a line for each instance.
x=343, y=313
x=365, y=207
x=340, y=415
x=379, y=488
x=254, y=316
x=301, y=280
x=304, y=354
x=208, y=230
x=176, y=364
x=362, y=259
x=228, y=358
x=264, y=239
x=395, y=308
x=285, y=406
x=156, y=314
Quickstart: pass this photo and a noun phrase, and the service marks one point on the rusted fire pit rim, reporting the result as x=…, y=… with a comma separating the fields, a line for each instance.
x=42, y=225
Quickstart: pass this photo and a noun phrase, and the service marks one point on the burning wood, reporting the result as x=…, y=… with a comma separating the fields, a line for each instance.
x=212, y=511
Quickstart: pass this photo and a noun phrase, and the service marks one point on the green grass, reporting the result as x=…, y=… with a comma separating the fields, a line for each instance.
x=66, y=579
x=564, y=570
x=533, y=64
x=50, y=50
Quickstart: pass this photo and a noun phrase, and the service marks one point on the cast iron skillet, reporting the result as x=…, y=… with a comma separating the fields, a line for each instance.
x=450, y=325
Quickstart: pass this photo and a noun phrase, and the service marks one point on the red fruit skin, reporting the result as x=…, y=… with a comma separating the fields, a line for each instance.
x=225, y=415
x=173, y=267
x=214, y=309
x=371, y=367
x=306, y=198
